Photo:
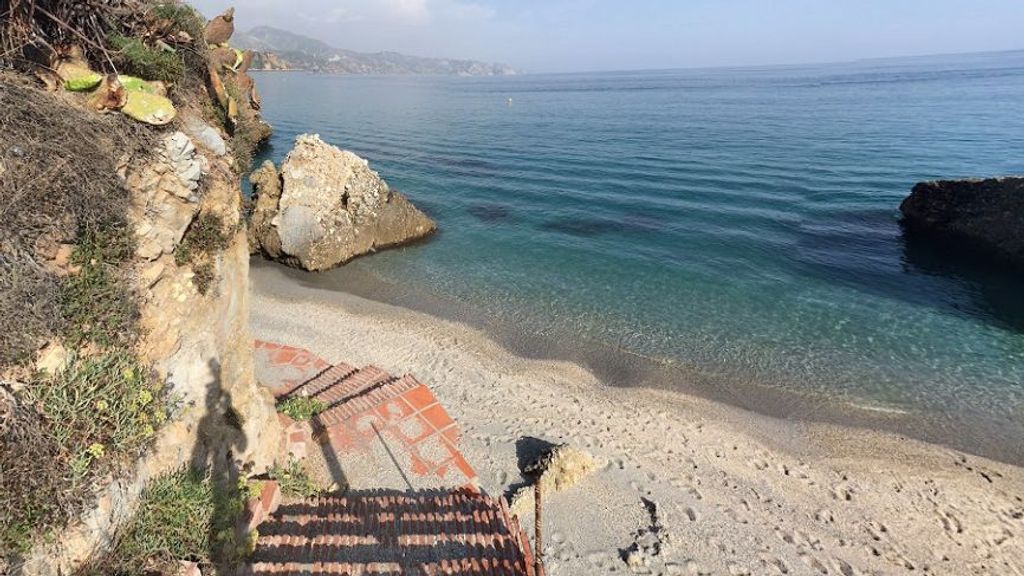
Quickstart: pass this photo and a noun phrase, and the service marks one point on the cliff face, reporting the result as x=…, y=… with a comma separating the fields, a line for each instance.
x=197, y=344
x=123, y=275
x=985, y=216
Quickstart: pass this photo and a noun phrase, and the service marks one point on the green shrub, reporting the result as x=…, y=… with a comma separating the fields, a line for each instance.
x=95, y=303
x=301, y=408
x=68, y=431
x=99, y=406
x=181, y=516
x=135, y=58
x=184, y=17
x=293, y=479
x=207, y=237
x=205, y=276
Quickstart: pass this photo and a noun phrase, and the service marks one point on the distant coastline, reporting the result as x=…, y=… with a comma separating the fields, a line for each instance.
x=276, y=49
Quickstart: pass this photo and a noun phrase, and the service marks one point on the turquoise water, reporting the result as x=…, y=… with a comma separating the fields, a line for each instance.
x=740, y=225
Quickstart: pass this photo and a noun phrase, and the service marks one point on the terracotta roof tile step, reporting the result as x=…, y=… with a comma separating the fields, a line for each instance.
x=387, y=532
x=324, y=380
x=370, y=398
x=353, y=384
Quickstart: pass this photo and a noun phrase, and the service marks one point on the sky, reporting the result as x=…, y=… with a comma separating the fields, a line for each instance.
x=591, y=35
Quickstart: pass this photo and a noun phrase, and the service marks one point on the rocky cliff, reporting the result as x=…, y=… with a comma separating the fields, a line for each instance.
x=197, y=344
x=326, y=207
x=984, y=216
x=134, y=356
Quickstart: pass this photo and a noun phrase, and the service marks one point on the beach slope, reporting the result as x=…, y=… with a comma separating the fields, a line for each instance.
x=696, y=487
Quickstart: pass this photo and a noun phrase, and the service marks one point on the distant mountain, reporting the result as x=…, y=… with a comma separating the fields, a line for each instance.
x=278, y=49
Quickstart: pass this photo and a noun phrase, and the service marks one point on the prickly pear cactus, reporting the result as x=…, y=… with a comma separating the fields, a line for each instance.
x=149, y=108
x=133, y=84
x=78, y=78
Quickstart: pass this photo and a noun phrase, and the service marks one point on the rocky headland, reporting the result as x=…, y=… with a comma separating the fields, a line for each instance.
x=326, y=206
x=985, y=217
x=276, y=49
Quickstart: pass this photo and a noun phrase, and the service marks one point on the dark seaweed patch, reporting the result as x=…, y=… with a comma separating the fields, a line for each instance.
x=587, y=227
x=490, y=212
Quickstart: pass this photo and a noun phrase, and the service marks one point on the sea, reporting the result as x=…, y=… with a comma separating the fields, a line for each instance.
x=733, y=233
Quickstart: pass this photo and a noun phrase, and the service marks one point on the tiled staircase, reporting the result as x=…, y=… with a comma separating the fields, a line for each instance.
x=388, y=431
x=394, y=533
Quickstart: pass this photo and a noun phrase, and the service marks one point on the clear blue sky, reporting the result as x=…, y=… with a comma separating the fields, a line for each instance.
x=579, y=35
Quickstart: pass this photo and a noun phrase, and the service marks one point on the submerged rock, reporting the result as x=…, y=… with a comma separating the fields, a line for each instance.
x=330, y=208
x=986, y=216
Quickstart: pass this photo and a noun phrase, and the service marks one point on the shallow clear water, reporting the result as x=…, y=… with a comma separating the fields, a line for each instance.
x=740, y=223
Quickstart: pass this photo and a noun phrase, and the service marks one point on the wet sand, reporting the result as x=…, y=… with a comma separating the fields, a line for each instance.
x=737, y=492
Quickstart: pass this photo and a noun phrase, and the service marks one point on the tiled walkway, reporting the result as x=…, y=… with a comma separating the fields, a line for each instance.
x=411, y=503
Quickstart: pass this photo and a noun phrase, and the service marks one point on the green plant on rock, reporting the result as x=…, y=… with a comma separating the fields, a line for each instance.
x=136, y=58
x=301, y=408
x=186, y=516
x=95, y=303
x=100, y=407
x=184, y=18
x=207, y=237
x=293, y=479
x=67, y=431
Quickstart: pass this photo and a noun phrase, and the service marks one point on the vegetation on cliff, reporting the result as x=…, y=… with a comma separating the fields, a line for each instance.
x=78, y=406
x=183, y=516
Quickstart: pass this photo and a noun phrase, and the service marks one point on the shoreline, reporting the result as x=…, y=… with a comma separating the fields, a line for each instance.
x=623, y=369
x=740, y=492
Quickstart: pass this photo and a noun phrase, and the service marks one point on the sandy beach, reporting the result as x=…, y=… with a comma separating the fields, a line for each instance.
x=702, y=487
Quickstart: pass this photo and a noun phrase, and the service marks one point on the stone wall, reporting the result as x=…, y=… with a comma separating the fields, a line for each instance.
x=198, y=345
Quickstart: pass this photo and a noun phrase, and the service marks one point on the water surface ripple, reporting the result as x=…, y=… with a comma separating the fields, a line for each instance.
x=741, y=225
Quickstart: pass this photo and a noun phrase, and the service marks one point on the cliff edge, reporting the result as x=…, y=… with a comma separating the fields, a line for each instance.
x=123, y=278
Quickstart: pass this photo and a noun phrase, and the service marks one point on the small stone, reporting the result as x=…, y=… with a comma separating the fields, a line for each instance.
x=52, y=358
x=634, y=559
x=186, y=568
x=151, y=275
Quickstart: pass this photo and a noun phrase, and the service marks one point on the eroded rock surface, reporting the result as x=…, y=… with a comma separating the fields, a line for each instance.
x=326, y=207
x=561, y=468
x=986, y=216
x=167, y=195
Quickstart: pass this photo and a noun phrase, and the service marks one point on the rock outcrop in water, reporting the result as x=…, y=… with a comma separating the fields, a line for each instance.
x=326, y=207
x=985, y=216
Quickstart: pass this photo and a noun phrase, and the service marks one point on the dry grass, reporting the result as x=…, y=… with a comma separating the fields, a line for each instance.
x=58, y=184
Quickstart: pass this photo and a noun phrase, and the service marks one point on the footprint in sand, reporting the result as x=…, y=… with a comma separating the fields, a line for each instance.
x=777, y=565
x=843, y=492
x=825, y=515
x=813, y=563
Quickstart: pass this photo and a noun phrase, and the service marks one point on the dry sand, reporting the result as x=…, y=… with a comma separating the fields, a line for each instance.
x=733, y=492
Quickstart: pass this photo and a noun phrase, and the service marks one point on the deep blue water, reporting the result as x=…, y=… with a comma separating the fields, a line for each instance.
x=739, y=223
